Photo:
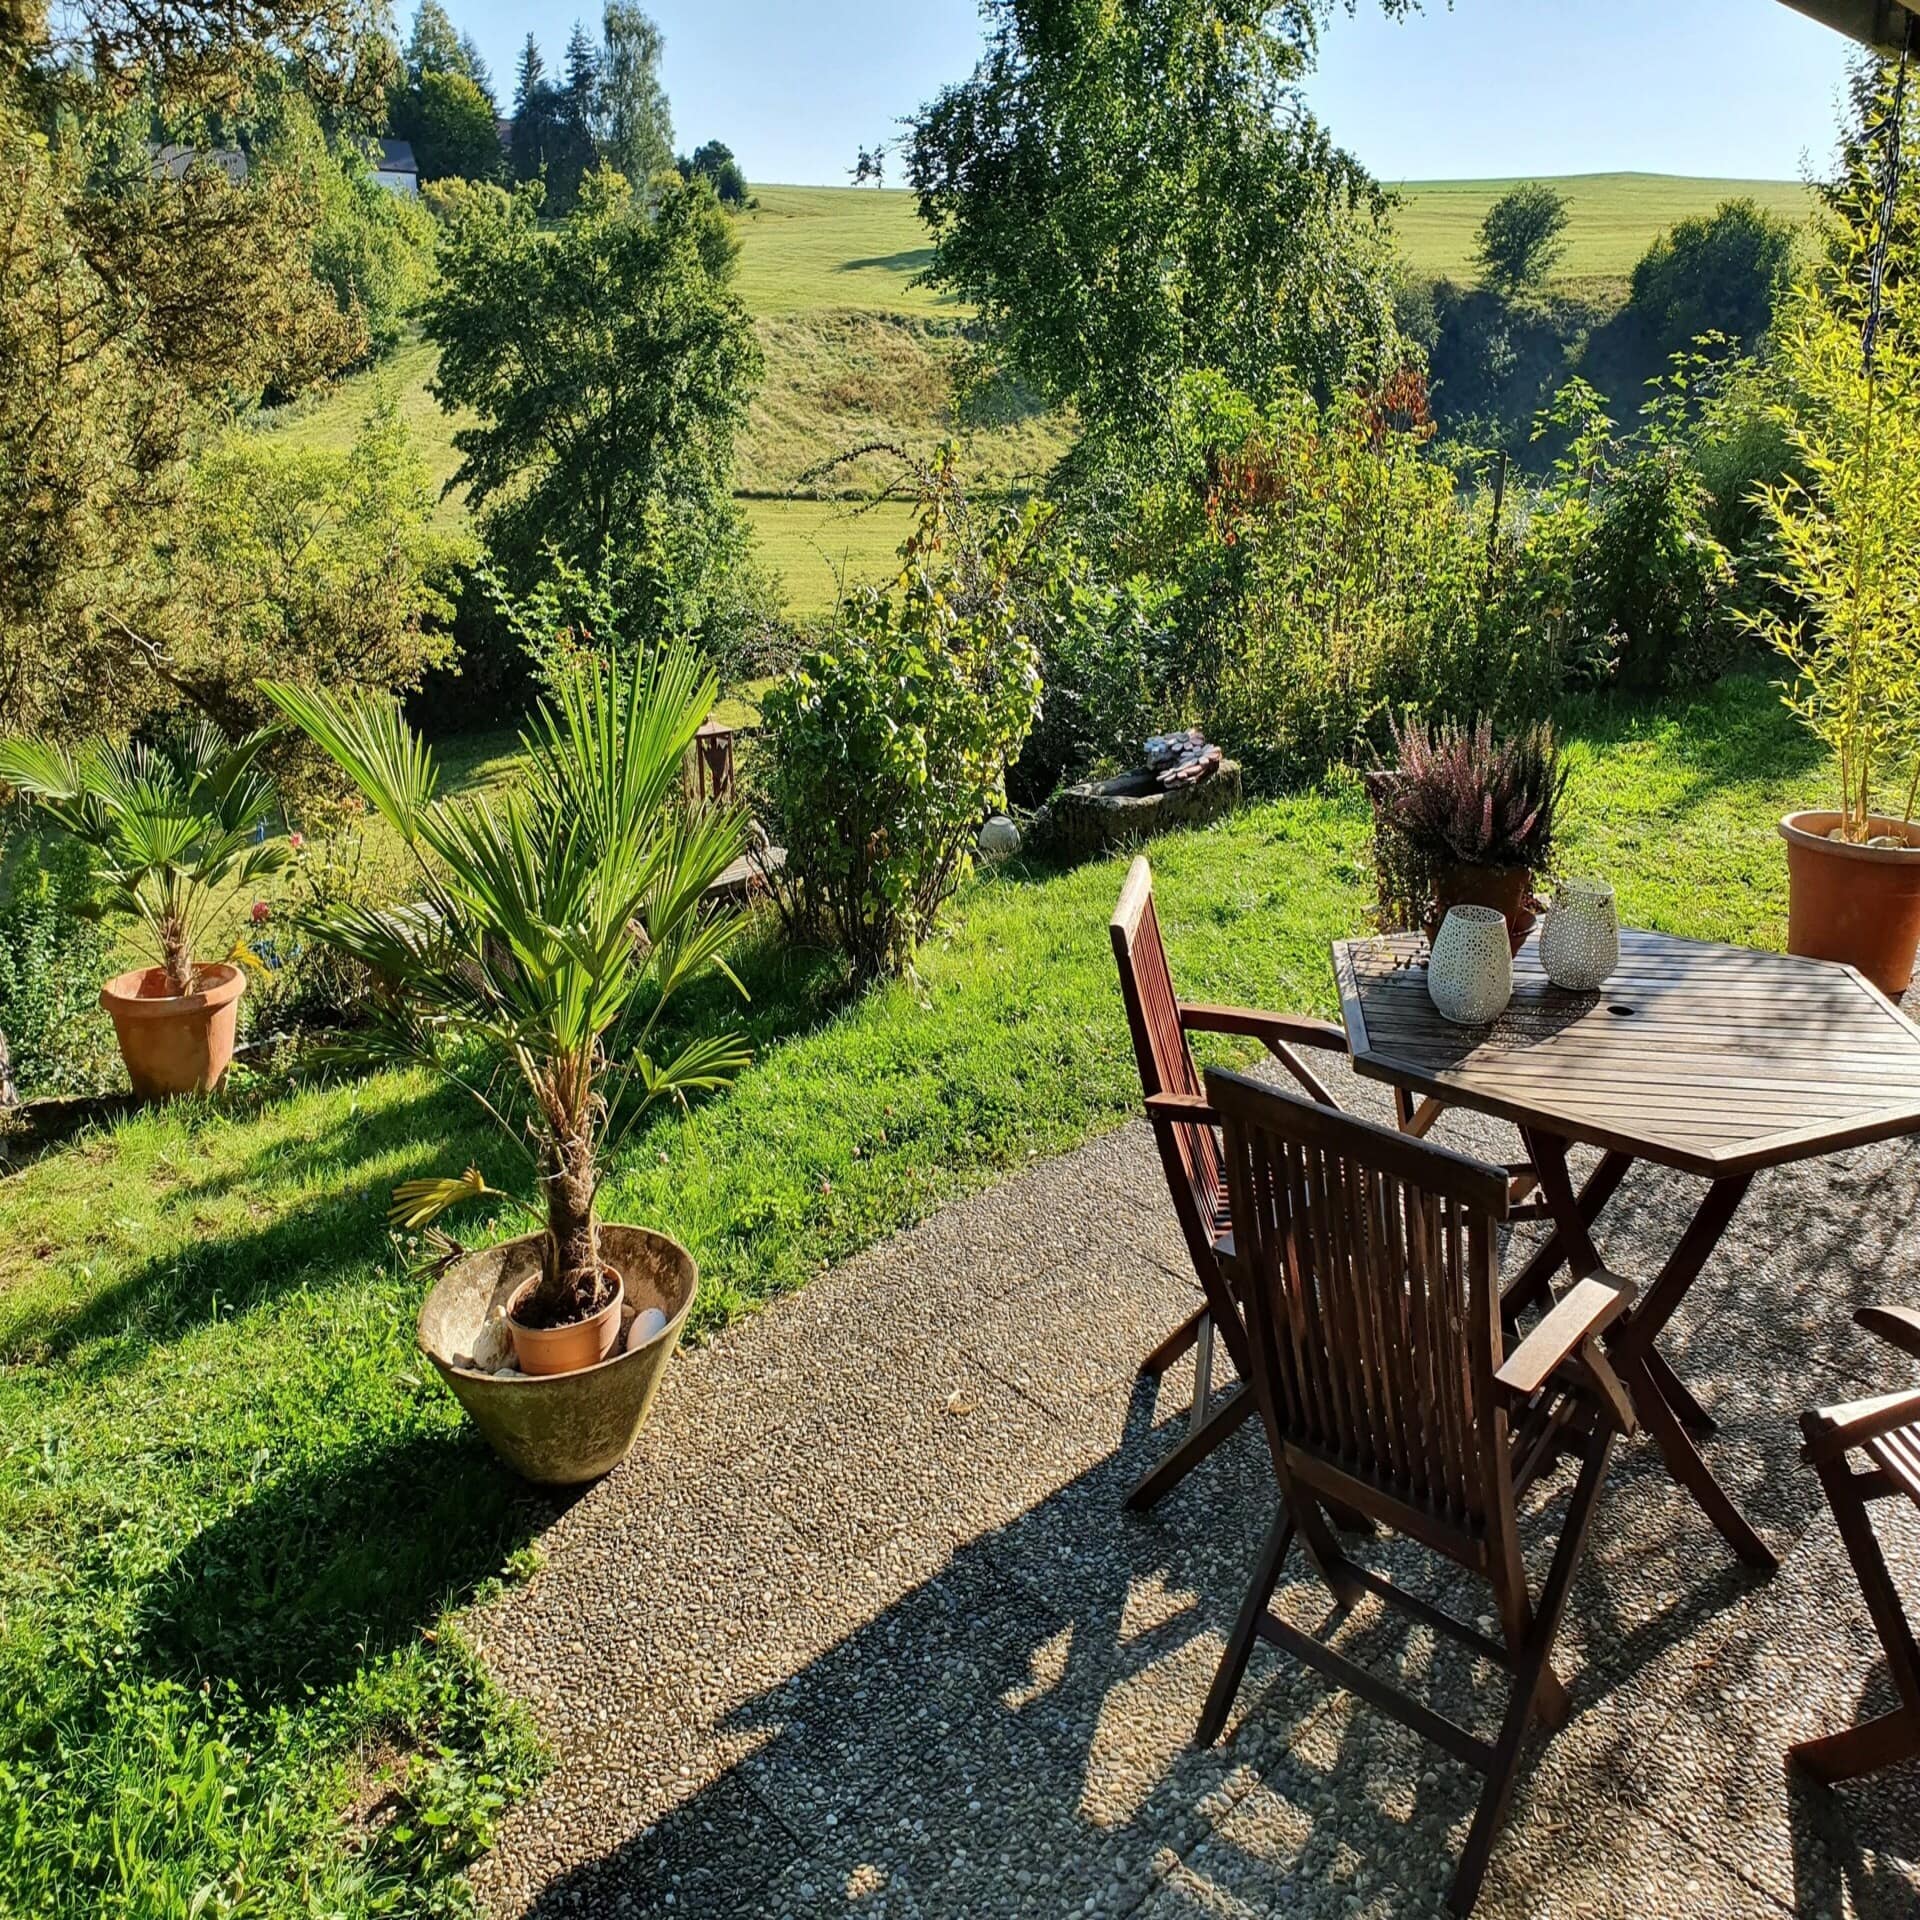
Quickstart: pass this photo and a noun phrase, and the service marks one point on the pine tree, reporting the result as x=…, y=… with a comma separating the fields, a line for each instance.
x=583, y=78
x=473, y=63
x=434, y=46
x=529, y=74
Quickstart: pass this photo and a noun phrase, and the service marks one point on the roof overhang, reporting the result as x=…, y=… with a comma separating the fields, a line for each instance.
x=1881, y=24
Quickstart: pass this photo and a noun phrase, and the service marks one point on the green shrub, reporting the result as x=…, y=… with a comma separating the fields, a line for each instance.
x=53, y=957
x=1108, y=665
x=1326, y=570
x=890, y=741
x=300, y=986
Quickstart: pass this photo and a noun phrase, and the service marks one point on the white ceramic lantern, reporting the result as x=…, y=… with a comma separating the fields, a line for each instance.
x=1580, y=940
x=1470, y=971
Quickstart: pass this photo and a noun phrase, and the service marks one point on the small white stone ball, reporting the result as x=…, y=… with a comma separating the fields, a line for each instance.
x=647, y=1323
x=999, y=839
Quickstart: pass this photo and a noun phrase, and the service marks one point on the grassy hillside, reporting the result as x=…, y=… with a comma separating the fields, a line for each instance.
x=1613, y=216
x=857, y=353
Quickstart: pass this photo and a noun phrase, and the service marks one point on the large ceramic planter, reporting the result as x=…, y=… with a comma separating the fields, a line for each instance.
x=566, y=1428
x=175, y=1043
x=1854, y=903
x=1508, y=890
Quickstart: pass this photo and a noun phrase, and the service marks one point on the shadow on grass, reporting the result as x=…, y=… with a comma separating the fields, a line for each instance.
x=908, y=260
x=1734, y=733
x=325, y=1570
x=332, y=1223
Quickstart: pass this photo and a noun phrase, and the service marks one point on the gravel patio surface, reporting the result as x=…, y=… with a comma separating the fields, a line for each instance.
x=862, y=1629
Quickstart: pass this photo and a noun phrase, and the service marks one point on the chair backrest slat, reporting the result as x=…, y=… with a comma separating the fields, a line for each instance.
x=1369, y=1267
x=1188, y=1149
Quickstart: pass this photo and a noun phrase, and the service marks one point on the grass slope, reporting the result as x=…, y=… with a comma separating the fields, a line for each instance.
x=241, y=1517
x=1611, y=217
x=857, y=353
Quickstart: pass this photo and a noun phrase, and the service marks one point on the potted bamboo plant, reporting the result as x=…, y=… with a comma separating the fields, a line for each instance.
x=1476, y=815
x=178, y=826
x=554, y=927
x=1848, y=562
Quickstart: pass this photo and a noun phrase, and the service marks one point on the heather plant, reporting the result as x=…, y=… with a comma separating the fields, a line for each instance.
x=1461, y=794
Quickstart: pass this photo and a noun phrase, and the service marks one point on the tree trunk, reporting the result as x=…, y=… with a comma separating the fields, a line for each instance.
x=175, y=961
x=573, y=1253
x=8, y=1098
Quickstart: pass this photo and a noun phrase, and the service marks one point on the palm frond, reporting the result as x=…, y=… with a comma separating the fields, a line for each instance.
x=418, y=1203
x=369, y=740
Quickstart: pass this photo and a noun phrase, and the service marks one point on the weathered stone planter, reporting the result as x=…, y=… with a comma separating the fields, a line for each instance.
x=1099, y=815
x=557, y=1429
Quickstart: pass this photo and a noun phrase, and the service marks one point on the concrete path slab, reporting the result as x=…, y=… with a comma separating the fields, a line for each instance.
x=868, y=1632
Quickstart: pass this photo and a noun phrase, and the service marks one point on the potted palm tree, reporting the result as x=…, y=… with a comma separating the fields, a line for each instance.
x=555, y=925
x=178, y=825
x=1475, y=814
x=1849, y=568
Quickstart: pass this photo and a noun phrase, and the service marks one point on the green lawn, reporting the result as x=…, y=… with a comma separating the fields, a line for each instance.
x=242, y=1517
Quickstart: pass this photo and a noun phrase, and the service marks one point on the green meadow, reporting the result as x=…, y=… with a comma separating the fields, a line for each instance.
x=857, y=353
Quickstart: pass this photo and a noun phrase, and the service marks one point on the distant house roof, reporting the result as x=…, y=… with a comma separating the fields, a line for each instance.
x=173, y=160
x=396, y=156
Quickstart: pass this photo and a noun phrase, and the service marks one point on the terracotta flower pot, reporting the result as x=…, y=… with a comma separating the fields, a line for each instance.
x=1508, y=890
x=565, y=1428
x=175, y=1043
x=564, y=1349
x=1857, y=904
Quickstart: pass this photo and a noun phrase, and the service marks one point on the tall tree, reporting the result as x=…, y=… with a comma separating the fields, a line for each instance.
x=529, y=73
x=1130, y=190
x=583, y=78
x=636, y=125
x=136, y=301
x=713, y=160
x=455, y=134
x=473, y=63
x=608, y=364
x=1522, y=238
x=434, y=45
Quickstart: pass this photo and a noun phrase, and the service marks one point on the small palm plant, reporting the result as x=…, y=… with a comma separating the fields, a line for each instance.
x=178, y=824
x=554, y=927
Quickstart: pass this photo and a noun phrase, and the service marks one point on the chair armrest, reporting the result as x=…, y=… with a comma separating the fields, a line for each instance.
x=1901, y=1325
x=1590, y=1308
x=1289, y=1029
x=1831, y=1431
x=1187, y=1108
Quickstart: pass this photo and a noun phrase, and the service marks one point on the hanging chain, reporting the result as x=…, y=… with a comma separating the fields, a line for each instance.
x=1896, y=127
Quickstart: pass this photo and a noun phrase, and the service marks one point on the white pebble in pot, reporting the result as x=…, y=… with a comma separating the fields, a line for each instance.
x=648, y=1322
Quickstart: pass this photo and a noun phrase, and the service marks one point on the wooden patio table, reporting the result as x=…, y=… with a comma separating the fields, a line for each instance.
x=1715, y=1061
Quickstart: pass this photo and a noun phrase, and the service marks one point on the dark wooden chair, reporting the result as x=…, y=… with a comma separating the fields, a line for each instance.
x=1886, y=1430
x=1160, y=1022
x=1368, y=1266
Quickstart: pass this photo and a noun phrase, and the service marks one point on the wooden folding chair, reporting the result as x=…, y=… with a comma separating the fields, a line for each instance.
x=1368, y=1266
x=1887, y=1430
x=1160, y=1022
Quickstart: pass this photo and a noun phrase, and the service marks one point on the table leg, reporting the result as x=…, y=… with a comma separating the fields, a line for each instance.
x=1531, y=1286
x=1664, y=1403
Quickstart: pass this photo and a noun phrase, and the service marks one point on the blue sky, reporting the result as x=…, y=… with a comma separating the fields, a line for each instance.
x=1486, y=88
